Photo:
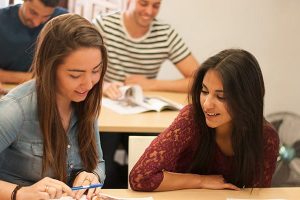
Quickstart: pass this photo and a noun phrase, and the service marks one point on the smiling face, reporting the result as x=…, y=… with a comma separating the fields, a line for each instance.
x=213, y=102
x=33, y=13
x=143, y=12
x=77, y=75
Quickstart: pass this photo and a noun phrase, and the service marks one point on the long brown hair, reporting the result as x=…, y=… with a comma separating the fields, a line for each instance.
x=244, y=92
x=60, y=37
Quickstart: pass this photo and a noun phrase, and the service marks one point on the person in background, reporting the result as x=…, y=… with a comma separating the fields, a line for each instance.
x=219, y=141
x=49, y=135
x=20, y=26
x=137, y=45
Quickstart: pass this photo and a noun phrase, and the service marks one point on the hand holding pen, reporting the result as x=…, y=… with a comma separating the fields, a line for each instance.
x=86, y=181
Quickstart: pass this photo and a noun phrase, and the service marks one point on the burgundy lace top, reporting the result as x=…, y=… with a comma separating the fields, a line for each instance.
x=173, y=151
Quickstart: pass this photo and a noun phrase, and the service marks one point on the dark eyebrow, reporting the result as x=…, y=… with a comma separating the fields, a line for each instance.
x=218, y=91
x=80, y=70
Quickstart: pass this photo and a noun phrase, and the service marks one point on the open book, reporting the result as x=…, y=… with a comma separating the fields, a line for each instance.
x=133, y=101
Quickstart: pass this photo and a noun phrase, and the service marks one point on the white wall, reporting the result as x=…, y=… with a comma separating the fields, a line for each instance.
x=270, y=29
x=3, y=3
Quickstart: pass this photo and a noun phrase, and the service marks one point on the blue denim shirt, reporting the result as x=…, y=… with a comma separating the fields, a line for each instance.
x=21, y=140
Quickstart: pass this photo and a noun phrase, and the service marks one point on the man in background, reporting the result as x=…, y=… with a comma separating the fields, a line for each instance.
x=20, y=26
x=137, y=45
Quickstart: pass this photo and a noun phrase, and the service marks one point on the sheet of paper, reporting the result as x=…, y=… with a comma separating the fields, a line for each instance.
x=120, y=108
x=107, y=197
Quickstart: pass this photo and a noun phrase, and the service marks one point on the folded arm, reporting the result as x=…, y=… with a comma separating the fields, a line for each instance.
x=178, y=181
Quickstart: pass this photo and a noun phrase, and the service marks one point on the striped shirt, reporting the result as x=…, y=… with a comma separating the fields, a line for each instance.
x=142, y=56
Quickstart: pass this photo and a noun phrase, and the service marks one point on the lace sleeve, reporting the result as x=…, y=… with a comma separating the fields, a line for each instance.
x=271, y=148
x=163, y=153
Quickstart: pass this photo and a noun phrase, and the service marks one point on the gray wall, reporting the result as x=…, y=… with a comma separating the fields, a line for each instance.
x=270, y=29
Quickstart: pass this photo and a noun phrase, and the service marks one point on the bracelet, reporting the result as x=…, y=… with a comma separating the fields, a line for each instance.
x=14, y=192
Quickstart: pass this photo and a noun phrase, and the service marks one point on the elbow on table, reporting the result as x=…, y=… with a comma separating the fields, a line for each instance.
x=140, y=182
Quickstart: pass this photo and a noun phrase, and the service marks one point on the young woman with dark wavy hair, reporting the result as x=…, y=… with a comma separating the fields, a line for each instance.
x=221, y=140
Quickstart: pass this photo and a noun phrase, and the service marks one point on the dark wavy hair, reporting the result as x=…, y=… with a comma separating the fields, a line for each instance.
x=59, y=38
x=244, y=91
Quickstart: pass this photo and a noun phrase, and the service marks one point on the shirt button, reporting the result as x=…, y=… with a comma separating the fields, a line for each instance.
x=69, y=146
x=71, y=166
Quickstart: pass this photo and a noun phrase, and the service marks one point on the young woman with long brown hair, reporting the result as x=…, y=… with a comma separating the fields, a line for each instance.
x=49, y=138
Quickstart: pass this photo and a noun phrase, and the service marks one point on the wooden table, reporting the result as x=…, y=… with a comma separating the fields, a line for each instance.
x=292, y=193
x=149, y=122
x=8, y=86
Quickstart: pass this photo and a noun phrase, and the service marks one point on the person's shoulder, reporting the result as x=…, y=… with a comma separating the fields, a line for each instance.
x=11, y=8
x=111, y=17
x=158, y=23
x=23, y=91
x=269, y=128
x=20, y=102
x=59, y=11
x=187, y=111
x=108, y=21
x=9, y=11
x=162, y=27
x=270, y=133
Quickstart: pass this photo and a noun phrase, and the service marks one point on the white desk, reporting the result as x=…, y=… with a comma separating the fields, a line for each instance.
x=292, y=193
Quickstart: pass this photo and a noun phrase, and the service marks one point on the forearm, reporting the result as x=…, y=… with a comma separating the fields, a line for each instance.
x=180, y=85
x=177, y=181
x=14, y=77
x=6, y=189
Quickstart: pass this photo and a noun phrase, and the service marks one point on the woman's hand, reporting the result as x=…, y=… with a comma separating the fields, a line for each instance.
x=86, y=178
x=47, y=188
x=216, y=182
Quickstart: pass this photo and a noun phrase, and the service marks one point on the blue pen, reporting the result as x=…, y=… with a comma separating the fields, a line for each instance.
x=87, y=186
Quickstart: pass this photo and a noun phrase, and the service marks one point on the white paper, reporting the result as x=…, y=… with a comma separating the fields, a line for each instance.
x=119, y=107
x=107, y=197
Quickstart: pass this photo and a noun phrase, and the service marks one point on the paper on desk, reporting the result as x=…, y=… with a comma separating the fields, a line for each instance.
x=107, y=197
x=118, y=107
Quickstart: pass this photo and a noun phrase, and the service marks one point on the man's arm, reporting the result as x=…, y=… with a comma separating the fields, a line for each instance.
x=14, y=76
x=187, y=67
